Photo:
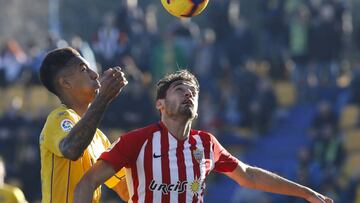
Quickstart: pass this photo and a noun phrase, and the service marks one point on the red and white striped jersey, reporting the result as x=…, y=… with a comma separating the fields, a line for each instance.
x=161, y=168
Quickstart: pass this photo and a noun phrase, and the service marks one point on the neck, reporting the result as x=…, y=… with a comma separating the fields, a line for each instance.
x=80, y=107
x=179, y=129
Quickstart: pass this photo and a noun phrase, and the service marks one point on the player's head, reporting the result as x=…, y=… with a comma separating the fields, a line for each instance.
x=2, y=171
x=177, y=95
x=64, y=71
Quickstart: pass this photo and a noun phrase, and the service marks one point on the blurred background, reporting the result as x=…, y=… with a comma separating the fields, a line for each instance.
x=280, y=82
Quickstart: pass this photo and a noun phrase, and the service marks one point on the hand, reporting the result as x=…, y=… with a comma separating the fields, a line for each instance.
x=319, y=198
x=112, y=82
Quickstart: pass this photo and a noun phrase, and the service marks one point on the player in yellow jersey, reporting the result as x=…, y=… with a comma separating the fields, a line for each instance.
x=70, y=142
x=9, y=193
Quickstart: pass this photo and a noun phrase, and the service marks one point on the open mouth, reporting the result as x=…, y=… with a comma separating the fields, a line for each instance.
x=188, y=102
x=97, y=85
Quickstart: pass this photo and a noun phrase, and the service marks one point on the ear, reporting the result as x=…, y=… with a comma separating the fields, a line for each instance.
x=159, y=104
x=64, y=83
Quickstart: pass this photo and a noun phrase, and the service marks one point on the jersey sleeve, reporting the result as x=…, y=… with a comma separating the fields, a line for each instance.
x=224, y=161
x=123, y=152
x=115, y=179
x=57, y=127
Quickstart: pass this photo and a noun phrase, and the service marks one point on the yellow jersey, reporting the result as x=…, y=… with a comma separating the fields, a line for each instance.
x=59, y=175
x=11, y=194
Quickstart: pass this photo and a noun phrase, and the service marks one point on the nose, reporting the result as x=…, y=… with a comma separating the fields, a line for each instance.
x=188, y=93
x=94, y=75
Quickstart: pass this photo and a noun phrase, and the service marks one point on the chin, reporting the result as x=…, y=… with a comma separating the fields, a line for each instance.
x=190, y=114
x=95, y=93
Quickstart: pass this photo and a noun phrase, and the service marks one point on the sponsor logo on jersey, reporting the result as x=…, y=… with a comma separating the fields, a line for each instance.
x=179, y=187
x=195, y=186
x=66, y=125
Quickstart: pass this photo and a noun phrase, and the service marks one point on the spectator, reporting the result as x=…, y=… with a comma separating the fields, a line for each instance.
x=110, y=42
x=13, y=59
x=325, y=116
x=299, y=51
x=240, y=45
x=325, y=46
x=328, y=151
x=9, y=193
x=262, y=107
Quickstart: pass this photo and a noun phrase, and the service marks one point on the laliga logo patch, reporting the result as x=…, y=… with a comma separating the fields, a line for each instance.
x=198, y=155
x=66, y=125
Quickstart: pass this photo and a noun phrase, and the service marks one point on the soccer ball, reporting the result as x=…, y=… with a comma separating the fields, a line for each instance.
x=184, y=8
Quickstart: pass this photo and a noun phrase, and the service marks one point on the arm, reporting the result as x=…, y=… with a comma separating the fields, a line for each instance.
x=256, y=178
x=80, y=136
x=92, y=179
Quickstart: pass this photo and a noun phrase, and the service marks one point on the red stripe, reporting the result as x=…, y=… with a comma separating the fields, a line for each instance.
x=181, y=168
x=148, y=168
x=165, y=167
x=135, y=197
x=206, y=144
x=196, y=167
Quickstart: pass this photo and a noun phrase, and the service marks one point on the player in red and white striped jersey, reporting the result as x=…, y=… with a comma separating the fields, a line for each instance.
x=169, y=162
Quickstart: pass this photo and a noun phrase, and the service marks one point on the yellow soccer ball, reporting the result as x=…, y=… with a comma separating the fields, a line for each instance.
x=184, y=8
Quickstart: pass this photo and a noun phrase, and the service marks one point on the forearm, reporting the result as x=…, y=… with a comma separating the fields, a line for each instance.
x=270, y=182
x=92, y=179
x=83, y=132
x=84, y=192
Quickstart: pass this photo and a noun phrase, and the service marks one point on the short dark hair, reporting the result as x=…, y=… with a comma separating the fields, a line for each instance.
x=53, y=63
x=164, y=83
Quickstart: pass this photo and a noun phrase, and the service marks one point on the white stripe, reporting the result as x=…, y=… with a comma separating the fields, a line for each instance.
x=141, y=173
x=212, y=165
x=199, y=145
x=174, y=171
x=189, y=170
x=129, y=183
x=156, y=164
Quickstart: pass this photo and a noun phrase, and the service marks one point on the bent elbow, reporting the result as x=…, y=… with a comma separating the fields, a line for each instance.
x=70, y=150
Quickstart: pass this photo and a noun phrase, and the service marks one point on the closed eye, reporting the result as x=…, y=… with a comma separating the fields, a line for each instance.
x=84, y=67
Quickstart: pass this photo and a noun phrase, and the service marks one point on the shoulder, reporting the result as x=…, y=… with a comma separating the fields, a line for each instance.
x=63, y=115
x=126, y=149
x=62, y=112
x=60, y=120
x=203, y=135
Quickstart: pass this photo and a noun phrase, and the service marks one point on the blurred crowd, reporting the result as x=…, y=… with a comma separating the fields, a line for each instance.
x=238, y=56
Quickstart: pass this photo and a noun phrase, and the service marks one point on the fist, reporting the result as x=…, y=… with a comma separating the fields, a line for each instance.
x=112, y=82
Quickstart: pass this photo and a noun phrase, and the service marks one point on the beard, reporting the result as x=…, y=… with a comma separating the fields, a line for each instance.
x=185, y=111
x=188, y=112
